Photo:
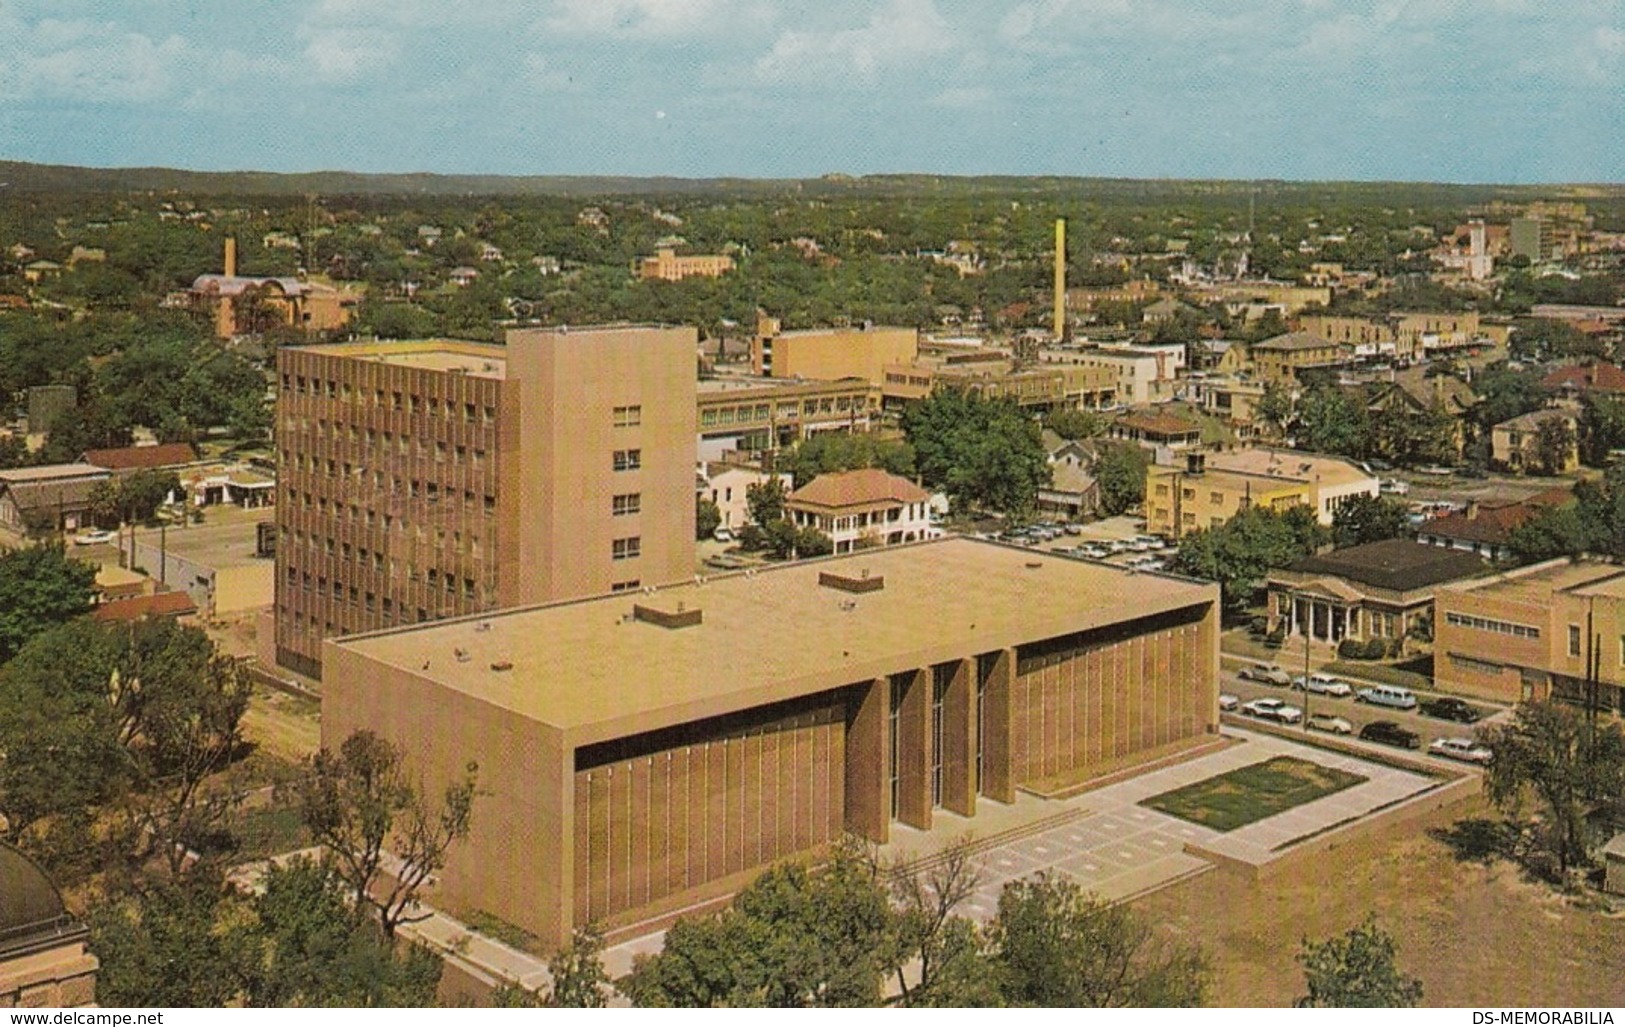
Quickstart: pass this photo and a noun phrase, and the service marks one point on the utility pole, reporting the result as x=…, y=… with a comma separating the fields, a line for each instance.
x=1308, y=625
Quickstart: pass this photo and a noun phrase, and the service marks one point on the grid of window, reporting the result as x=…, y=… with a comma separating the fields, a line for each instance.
x=1500, y=627
x=630, y=503
x=626, y=586
x=628, y=459
x=626, y=548
x=628, y=417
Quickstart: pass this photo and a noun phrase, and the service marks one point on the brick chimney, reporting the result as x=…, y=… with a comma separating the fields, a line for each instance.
x=231, y=256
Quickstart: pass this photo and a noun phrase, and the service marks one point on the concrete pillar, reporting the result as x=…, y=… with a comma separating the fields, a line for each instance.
x=996, y=756
x=959, y=741
x=868, y=784
x=914, y=750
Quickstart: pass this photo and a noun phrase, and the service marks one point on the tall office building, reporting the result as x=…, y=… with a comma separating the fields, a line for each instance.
x=429, y=479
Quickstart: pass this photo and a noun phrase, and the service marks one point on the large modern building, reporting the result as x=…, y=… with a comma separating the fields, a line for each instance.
x=423, y=480
x=829, y=354
x=1530, y=633
x=639, y=754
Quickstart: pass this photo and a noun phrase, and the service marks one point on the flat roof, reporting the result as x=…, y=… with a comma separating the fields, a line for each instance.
x=1537, y=583
x=1290, y=463
x=1227, y=478
x=51, y=472
x=481, y=359
x=593, y=672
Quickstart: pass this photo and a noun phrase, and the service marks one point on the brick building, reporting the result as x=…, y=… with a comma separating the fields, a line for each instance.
x=432, y=479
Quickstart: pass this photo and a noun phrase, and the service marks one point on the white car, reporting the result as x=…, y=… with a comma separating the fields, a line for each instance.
x=1268, y=673
x=1227, y=701
x=1464, y=749
x=1095, y=552
x=1272, y=709
x=1150, y=542
x=1324, y=684
x=1329, y=722
x=722, y=534
x=93, y=538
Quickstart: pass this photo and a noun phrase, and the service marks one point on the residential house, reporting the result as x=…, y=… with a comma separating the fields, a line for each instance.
x=1573, y=381
x=1516, y=444
x=1378, y=590
x=1152, y=430
x=728, y=486
x=862, y=509
x=1072, y=493
x=1486, y=528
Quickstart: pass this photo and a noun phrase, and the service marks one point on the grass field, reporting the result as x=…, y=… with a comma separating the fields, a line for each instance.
x=1253, y=792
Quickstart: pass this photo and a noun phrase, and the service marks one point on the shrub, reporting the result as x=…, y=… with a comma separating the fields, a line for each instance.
x=1351, y=649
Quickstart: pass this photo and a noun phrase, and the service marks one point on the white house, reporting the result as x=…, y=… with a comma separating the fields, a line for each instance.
x=860, y=509
x=726, y=485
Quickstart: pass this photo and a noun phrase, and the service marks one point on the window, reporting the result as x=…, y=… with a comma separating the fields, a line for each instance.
x=1574, y=640
x=1216, y=498
x=626, y=586
x=1500, y=627
x=630, y=503
x=628, y=459
x=628, y=417
x=626, y=548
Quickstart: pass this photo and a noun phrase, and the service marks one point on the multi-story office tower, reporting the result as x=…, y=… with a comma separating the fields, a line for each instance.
x=429, y=479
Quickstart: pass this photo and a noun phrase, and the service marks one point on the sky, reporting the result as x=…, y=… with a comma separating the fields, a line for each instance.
x=1503, y=91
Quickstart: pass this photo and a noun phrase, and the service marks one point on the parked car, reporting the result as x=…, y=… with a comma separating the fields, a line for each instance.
x=1095, y=551
x=1329, y=722
x=1324, y=684
x=1449, y=708
x=1117, y=545
x=1151, y=542
x=1464, y=749
x=1389, y=733
x=93, y=538
x=1073, y=529
x=722, y=534
x=1267, y=673
x=1272, y=709
x=1228, y=701
x=1145, y=563
x=1387, y=695
x=1394, y=487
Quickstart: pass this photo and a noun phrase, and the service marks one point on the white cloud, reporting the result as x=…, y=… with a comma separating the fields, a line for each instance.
x=345, y=55
x=651, y=19
x=85, y=61
x=902, y=34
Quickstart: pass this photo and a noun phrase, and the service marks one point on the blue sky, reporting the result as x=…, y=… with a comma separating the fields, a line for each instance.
x=1454, y=90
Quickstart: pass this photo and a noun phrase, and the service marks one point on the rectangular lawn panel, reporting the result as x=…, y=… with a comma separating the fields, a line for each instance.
x=1253, y=792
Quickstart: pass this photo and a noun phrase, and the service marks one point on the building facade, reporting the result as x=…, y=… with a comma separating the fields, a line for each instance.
x=752, y=415
x=829, y=354
x=423, y=480
x=642, y=754
x=1530, y=633
x=1376, y=591
x=863, y=509
x=667, y=266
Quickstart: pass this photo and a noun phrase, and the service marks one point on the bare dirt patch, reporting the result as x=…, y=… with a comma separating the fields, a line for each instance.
x=1476, y=933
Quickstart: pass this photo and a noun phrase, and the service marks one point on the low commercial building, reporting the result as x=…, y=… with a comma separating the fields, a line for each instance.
x=1335, y=480
x=1157, y=431
x=1284, y=358
x=1182, y=498
x=43, y=959
x=1530, y=633
x=736, y=414
x=1485, y=528
x=53, y=497
x=829, y=354
x=1134, y=374
x=126, y=459
x=863, y=509
x=1379, y=590
x=639, y=754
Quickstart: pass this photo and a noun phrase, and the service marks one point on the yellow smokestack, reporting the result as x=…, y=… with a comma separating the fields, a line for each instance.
x=1060, y=279
x=231, y=256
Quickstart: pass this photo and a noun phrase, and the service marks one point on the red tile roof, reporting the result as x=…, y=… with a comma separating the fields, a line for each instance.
x=169, y=454
x=1585, y=377
x=159, y=604
x=858, y=488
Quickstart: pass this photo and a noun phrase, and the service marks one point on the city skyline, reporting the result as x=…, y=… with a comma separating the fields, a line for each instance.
x=1506, y=92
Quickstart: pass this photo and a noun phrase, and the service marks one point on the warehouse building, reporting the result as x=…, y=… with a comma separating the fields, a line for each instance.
x=640, y=753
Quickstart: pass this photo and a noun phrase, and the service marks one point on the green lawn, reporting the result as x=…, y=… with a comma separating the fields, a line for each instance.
x=1253, y=792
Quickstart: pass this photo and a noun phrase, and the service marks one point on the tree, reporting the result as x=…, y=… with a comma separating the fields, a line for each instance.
x=305, y=945
x=1366, y=518
x=1602, y=427
x=1121, y=471
x=167, y=944
x=579, y=980
x=359, y=801
x=1356, y=970
x=984, y=453
x=40, y=586
x=1554, y=752
x=1554, y=445
x=831, y=451
x=706, y=518
x=1330, y=420
x=765, y=501
x=939, y=959
x=792, y=938
x=1274, y=407
x=1054, y=946
x=1240, y=553
x=1075, y=424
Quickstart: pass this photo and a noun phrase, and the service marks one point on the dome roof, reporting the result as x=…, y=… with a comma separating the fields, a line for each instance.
x=29, y=902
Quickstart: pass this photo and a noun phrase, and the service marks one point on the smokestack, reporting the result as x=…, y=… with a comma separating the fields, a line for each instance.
x=231, y=256
x=1061, y=333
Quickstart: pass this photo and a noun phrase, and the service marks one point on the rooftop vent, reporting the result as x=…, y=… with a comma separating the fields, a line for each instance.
x=502, y=665
x=864, y=582
x=681, y=617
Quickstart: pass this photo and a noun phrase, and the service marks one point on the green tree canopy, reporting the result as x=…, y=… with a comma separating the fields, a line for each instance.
x=985, y=454
x=1240, y=553
x=40, y=586
x=1121, y=472
x=828, y=452
x=1356, y=970
x=1365, y=518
